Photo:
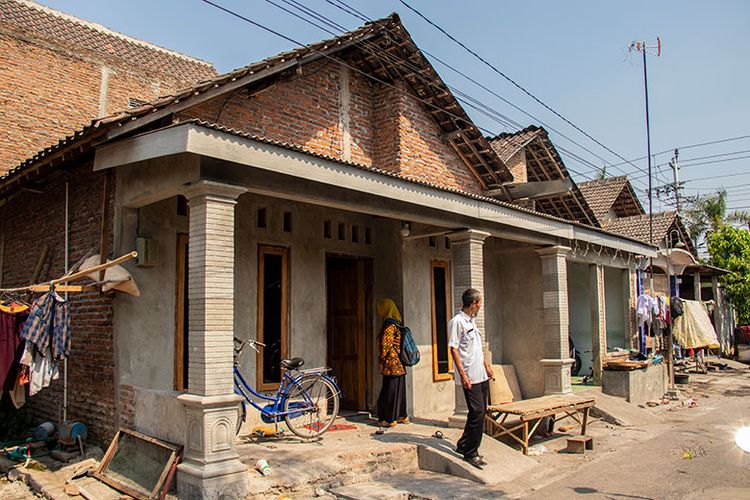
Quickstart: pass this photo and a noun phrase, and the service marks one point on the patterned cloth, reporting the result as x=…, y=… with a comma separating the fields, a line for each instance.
x=48, y=325
x=389, y=347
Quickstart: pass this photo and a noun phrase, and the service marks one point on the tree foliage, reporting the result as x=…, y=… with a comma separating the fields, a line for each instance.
x=707, y=213
x=729, y=248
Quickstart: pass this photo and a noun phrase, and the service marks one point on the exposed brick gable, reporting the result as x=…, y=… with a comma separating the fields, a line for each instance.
x=388, y=128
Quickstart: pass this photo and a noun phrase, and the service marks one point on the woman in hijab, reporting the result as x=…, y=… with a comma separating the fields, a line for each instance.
x=392, y=399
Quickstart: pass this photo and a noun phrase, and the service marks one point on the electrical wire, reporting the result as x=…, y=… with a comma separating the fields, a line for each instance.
x=514, y=83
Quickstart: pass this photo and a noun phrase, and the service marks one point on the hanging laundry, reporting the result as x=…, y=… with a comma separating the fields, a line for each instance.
x=644, y=309
x=12, y=319
x=42, y=369
x=48, y=326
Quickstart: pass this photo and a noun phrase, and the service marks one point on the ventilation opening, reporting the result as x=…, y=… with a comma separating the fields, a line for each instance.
x=262, y=218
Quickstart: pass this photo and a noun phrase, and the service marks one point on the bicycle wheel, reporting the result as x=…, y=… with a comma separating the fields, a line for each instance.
x=311, y=406
x=241, y=417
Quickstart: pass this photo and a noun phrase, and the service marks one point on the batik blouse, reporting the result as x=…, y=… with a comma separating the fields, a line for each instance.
x=389, y=347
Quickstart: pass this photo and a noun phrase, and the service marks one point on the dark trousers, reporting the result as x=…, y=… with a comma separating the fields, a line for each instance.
x=476, y=401
x=392, y=399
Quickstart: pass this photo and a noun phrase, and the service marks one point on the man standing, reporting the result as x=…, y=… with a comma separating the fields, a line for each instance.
x=472, y=372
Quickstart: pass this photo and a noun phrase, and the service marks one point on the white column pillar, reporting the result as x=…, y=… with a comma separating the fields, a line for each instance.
x=557, y=359
x=598, y=318
x=697, y=285
x=468, y=272
x=211, y=467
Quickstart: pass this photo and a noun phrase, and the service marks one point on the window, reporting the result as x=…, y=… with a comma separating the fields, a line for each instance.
x=342, y=231
x=262, y=218
x=368, y=236
x=327, y=229
x=442, y=365
x=181, y=315
x=272, y=314
x=287, y=222
x=355, y=234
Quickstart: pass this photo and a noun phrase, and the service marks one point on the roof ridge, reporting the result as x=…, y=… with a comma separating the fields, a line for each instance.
x=106, y=31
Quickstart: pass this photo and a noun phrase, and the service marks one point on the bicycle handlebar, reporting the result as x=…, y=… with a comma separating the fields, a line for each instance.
x=239, y=345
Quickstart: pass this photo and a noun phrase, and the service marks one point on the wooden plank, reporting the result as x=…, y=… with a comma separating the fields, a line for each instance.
x=504, y=388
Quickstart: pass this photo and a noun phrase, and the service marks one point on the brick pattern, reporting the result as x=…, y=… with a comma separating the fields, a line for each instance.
x=468, y=266
x=598, y=318
x=126, y=405
x=389, y=129
x=51, y=77
x=211, y=289
x=555, y=300
x=30, y=221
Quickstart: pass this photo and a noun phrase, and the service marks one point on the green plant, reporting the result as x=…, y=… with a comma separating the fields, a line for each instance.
x=729, y=249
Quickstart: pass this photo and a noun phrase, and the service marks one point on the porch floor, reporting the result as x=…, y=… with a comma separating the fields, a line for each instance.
x=358, y=455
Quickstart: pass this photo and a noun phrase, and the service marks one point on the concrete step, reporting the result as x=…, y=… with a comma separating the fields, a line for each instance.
x=420, y=485
x=439, y=455
x=617, y=411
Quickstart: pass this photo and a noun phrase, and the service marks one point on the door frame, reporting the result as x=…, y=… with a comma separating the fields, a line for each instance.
x=364, y=402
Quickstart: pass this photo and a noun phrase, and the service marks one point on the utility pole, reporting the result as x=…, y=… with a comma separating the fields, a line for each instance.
x=675, y=164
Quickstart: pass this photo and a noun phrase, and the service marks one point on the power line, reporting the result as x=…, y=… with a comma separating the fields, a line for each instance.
x=539, y=101
x=349, y=10
x=467, y=99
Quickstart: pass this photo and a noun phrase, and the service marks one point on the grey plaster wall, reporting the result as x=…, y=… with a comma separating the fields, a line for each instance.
x=519, y=285
x=425, y=397
x=159, y=414
x=579, y=312
x=493, y=298
x=144, y=326
x=615, y=303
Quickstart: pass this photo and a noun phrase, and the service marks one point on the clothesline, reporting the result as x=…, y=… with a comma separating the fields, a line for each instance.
x=43, y=287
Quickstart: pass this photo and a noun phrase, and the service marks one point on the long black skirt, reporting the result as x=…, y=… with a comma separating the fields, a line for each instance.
x=392, y=399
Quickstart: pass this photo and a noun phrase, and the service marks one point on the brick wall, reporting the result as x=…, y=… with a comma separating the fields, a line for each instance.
x=389, y=129
x=29, y=222
x=47, y=92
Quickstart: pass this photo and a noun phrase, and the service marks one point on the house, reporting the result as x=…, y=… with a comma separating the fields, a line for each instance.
x=284, y=199
x=618, y=210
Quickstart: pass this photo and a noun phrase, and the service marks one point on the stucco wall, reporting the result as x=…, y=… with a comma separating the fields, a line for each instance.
x=579, y=312
x=519, y=284
x=425, y=398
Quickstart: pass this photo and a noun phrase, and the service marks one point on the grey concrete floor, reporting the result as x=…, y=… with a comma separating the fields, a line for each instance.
x=696, y=457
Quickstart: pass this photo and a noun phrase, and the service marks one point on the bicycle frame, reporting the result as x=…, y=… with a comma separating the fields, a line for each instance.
x=276, y=412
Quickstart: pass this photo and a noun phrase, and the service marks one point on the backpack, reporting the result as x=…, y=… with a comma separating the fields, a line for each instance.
x=409, y=354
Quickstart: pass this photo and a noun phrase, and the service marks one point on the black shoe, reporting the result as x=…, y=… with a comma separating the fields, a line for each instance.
x=476, y=461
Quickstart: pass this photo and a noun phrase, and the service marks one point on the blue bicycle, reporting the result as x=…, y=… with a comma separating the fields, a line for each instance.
x=307, y=400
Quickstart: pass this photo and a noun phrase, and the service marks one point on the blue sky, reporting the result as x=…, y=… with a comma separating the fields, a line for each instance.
x=572, y=55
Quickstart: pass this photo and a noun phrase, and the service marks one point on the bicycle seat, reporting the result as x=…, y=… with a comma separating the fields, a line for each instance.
x=292, y=364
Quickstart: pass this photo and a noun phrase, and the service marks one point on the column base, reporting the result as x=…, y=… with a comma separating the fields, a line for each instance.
x=557, y=376
x=225, y=482
x=211, y=467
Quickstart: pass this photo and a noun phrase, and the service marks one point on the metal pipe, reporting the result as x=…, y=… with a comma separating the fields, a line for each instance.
x=67, y=257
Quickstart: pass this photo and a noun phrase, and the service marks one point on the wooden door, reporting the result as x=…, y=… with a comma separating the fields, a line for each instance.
x=345, y=284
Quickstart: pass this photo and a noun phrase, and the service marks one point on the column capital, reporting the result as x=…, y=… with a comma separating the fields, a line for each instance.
x=212, y=188
x=468, y=235
x=554, y=250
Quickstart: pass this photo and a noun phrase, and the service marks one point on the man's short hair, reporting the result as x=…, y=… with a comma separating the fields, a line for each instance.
x=471, y=296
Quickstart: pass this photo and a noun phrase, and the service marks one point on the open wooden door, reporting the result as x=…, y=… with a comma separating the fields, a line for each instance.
x=345, y=290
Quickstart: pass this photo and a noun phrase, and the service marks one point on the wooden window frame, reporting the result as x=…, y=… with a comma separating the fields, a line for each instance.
x=436, y=376
x=264, y=250
x=180, y=384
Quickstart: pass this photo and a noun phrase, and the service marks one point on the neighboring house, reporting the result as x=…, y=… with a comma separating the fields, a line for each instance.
x=285, y=198
x=57, y=73
x=618, y=210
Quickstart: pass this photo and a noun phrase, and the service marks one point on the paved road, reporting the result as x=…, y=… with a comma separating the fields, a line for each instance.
x=698, y=459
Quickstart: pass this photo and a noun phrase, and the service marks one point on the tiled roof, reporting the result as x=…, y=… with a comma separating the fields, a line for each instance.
x=543, y=164
x=637, y=226
x=602, y=193
x=464, y=135
x=508, y=144
x=35, y=21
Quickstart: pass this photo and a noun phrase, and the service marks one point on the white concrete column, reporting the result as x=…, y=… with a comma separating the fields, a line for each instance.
x=211, y=467
x=557, y=359
x=598, y=318
x=468, y=272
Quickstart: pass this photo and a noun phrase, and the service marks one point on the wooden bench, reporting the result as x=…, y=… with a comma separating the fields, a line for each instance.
x=532, y=411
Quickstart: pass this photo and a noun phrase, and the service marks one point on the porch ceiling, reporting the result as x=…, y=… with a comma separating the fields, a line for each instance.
x=359, y=188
